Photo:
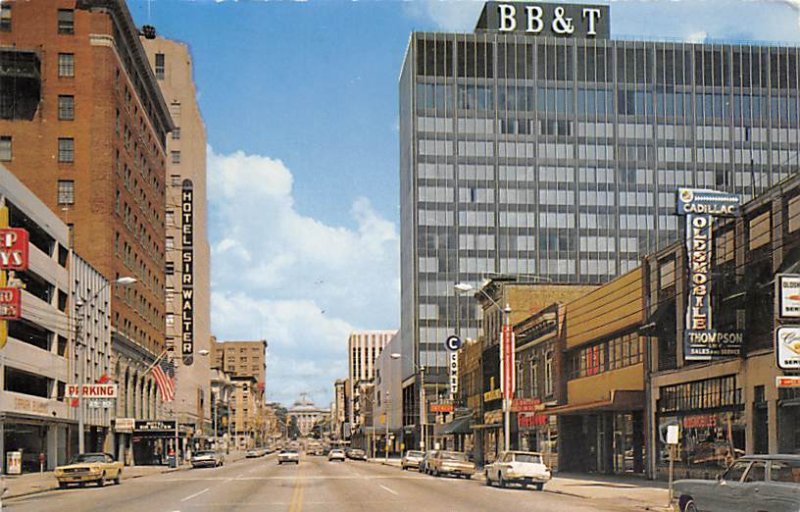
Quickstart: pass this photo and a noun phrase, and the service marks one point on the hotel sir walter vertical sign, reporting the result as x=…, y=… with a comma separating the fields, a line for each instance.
x=187, y=272
x=700, y=340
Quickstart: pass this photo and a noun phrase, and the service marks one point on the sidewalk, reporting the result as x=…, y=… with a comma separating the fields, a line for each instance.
x=34, y=483
x=622, y=491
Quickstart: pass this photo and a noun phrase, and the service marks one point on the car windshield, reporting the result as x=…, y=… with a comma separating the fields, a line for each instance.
x=87, y=457
x=202, y=453
x=454, y=456
x=528, y=457
x=289, y=451
x=413, y=453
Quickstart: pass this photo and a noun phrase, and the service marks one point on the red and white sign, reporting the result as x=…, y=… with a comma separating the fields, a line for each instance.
x=441, y=408
x=507, y=362
x=787, y=381
x=526, y=405
x=531, y=419
x=91, y=391
x=10, y=304
x=13, y=249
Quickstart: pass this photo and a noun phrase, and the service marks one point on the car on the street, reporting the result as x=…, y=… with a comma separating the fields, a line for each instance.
x=89, y=467
x=446, y=462
x=357, y=454
x=753, y=482
x=255, y=453
x=518, y=467
x=207, y=458
x=411, y=459
x=288, y=455
x=423, y=464
x=336, y=454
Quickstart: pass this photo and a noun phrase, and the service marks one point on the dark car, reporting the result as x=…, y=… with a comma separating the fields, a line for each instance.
x=357, y=454
x=754, y=482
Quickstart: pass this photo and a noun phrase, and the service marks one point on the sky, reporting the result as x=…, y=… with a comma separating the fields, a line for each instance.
x=300, y=102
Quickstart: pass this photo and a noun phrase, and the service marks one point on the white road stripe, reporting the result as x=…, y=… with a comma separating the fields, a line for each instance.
x=195, y=494
x=389, y=490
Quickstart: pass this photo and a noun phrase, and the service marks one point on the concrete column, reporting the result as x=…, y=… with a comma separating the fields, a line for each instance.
x=52, y=447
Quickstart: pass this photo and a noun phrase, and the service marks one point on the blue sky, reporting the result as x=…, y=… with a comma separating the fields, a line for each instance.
x=300, y=105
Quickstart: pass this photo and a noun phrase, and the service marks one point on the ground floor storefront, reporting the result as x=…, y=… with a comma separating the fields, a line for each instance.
x=610, y=442
x=40, y=443
x=538, y=432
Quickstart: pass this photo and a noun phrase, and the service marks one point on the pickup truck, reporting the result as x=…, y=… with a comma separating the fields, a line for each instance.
x=524, y=468
x=450, y=463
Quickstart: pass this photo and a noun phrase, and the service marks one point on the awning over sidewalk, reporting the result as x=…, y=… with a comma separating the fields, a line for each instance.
x=621, y=400
x=458, y=426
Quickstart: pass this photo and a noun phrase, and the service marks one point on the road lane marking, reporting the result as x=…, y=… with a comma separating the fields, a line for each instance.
x=296, y=505
x=196, y=494
x=389, y=490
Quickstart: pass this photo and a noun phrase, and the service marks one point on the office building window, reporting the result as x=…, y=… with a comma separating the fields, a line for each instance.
x=66, y=192
x=66, y=150
x=176, y=133
x=66, y=64
x=66, y=21
x=176, y=157
x=175, y=180
x=170, y=268
x=66, y=108
x=170, y=320
x=5, y=148
x=170, y=242
x=5, y=18
x=160, y=66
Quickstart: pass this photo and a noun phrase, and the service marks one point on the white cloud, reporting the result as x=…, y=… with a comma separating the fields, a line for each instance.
x=302, y=284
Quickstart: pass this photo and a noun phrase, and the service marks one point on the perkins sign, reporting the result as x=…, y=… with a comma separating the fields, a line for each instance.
x=700, y=340
x=554, y=20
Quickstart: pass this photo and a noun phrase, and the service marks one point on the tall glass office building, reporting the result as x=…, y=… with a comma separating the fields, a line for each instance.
x=532, y=150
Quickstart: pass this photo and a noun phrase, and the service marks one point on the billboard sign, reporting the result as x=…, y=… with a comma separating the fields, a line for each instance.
x=13, y=249
x=787, y=347
x=10, y=304
x=789, y=295
x=700, y=206
x=100, y=391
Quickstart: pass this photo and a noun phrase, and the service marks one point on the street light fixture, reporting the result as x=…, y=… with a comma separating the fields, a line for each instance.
x=506, y=313
x=79, y=303
x=423, y=413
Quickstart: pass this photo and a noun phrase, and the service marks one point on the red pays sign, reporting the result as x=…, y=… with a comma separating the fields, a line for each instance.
x=526, y=405
x=13, y=249
x=531, y=419
x=507, y=367
x=10, y=304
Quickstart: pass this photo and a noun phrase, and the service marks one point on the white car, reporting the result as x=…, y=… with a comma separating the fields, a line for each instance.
x=336, y=454
x=288, y=456
x=515, y=467
x=205, y=458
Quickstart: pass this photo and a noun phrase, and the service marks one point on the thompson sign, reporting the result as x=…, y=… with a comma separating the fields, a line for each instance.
x=700, y=206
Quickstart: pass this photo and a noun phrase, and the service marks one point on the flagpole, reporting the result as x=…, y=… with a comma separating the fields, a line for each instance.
x=155, y=362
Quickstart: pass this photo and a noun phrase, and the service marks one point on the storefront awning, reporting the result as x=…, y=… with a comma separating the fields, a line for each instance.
x=621, y=400
x=458, y=426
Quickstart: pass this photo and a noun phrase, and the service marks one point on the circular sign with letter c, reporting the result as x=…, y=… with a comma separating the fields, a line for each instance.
x=452, y=342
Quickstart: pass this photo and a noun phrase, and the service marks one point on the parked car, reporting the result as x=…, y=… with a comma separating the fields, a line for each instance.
x=206, y=458
x=517, y=467
x=357, y=454
x=423, y=464
x=89, y=467
x=256, y=452
x=289, y=455
x=336, y=454
x=753, y=482
x=451, y=463
x=411, y=459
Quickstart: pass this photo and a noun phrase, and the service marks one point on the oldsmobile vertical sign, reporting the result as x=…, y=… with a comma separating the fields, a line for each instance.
x=187, y=272
x=700, y=340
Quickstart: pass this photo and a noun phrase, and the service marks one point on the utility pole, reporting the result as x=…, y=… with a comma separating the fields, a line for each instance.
x=386, y=421
x=423, y=413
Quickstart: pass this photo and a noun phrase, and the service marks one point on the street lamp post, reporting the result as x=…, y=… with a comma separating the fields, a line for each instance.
x=386, y=422
x=504, y=345
x=123, y=281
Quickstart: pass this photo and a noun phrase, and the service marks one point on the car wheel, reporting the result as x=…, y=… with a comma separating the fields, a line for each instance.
x=101, y=481
x=488, y=480
x=118, y=479
x=502, y=482
x=690, y=506
x=62, y=485
x=539, y=487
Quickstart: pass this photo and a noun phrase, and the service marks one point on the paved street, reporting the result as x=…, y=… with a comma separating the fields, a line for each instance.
x=314, y=485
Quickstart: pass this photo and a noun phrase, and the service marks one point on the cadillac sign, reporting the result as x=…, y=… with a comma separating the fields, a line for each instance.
x=701, y=341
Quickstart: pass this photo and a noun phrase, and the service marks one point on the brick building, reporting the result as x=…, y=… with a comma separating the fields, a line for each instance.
x=80, y=105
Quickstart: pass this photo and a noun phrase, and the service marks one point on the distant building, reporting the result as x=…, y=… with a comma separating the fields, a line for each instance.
x=242, y=358
x=307, y=414
x=363, y=349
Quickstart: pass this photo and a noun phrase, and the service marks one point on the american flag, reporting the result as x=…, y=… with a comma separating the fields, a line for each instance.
x=164, y=373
